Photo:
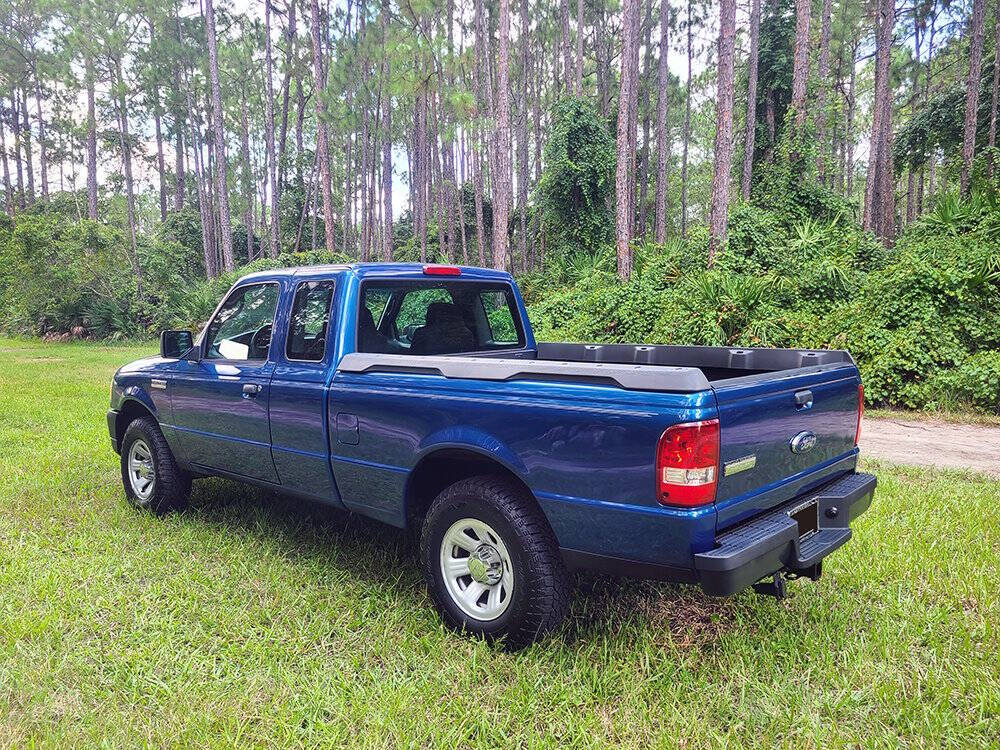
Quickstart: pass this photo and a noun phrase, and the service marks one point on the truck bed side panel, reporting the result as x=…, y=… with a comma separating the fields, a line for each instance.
x=587, y=452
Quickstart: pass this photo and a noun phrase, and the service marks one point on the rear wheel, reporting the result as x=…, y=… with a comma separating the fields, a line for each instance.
x=491, y=562
x=152, y=479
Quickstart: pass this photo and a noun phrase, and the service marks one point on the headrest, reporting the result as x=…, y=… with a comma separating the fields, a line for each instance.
x=438, y=312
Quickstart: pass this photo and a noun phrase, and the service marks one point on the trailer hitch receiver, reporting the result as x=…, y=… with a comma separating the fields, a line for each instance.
x=775, y=587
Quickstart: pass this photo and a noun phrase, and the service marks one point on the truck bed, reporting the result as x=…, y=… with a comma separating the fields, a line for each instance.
x=682, y=369
x=715, y=362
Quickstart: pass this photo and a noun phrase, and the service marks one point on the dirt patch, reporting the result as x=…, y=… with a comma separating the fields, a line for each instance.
x=932, y=443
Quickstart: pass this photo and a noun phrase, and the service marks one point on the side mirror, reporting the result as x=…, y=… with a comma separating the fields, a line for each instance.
x=175, y=344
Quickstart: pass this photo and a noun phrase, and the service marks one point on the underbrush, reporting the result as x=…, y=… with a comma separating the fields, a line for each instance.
x=922, y=319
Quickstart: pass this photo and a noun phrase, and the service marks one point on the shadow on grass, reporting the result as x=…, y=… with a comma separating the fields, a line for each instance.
x=382, y=555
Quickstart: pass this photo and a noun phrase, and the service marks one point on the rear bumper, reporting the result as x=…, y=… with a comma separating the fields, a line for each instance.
x=113, y=429
x=770, y=543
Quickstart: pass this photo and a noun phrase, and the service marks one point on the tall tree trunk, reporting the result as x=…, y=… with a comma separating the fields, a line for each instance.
x=537, y=229
x=567, y=46
x=483, y=96
x=286, y=85
x=603, y=60
x=180, y=180
x=29, y=168
x=248, y=181
x=849, y=120
x=204, y=202
x=645, y=91
x=300, y=116
x=824, y=73
x=222, y=190
x=15, y=123
x=501, y=176
x=972, y=93
x=8, y=191
x=719, y=215
x=662, y=126
x=43, y=160
x=800, y=68
x=687, y=122
x=879, y=187
x=420, y=176
x=161, y=170
x=125, y=140
x=751, y=125
x=272, y=165
x=347, y=223
x=996, y=91
x=477, y=178
x=322, y=146
x=440, y=197
x=387, y=239
x=625, y=153
x=522, y=140
x=579, y=48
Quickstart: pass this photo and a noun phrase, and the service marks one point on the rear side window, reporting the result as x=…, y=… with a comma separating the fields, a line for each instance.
x=310, y=321
x=435, y=317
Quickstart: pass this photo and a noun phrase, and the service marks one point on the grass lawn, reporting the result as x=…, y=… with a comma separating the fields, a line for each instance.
x=254, y=620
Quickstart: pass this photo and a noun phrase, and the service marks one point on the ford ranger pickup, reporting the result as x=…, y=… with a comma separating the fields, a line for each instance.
x=417, y=395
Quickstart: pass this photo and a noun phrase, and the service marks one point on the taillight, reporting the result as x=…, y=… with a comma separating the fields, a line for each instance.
x=861, y=412
x=435, y=270
x=687, y=464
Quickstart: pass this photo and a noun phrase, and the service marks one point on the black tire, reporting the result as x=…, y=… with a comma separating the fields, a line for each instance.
x=171, y=486
x=541, y=585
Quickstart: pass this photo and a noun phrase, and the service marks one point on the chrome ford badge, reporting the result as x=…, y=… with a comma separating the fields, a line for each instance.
x=803, y=442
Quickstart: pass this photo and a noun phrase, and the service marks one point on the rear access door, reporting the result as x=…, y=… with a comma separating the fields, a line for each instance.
x=782, y=434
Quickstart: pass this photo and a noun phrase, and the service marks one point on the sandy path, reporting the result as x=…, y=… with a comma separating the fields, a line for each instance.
x=953, y=446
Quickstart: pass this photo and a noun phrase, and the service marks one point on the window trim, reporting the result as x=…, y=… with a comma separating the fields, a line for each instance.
x=499, y=285
x=241, y=288
x=329, y=319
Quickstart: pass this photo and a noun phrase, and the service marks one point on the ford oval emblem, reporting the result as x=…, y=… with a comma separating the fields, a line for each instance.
x=803, y=442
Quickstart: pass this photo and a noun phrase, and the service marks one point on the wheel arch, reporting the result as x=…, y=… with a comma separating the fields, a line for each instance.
x=130, y=410
x=443, y=466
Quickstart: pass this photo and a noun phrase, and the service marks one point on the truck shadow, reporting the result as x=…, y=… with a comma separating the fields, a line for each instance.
x=380, y=555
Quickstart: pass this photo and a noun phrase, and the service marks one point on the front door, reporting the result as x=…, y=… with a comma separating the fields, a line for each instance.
x=220, y=402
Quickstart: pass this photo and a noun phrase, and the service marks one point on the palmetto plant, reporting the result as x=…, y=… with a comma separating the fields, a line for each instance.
x=953, y=216
x=739, y=304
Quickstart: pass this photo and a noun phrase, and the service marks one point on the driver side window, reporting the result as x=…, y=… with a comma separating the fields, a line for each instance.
x=241, y=329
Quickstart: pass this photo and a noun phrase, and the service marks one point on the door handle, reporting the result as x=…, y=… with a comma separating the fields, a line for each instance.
x=250, y=390
x=804, y=400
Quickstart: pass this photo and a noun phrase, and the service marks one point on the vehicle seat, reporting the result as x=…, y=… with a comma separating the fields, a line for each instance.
x=444, y=332
x=369, y=338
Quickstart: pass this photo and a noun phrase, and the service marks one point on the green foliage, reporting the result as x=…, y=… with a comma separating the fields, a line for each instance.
x=922, y=320
x=59, y=276
x=577, y=186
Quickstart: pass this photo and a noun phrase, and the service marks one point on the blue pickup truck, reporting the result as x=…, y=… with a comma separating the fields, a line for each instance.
x=417, y=395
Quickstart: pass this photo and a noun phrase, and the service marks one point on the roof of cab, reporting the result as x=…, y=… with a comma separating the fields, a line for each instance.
x=370, y=270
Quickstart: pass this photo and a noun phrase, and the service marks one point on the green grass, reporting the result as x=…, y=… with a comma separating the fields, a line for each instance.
x=254, y=620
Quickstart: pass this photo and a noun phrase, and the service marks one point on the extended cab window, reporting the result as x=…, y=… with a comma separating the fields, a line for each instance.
x=423, y=317
x=310, y=321
x=241, y=329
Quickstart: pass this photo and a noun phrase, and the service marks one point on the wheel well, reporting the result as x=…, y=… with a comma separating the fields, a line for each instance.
x=131, y=410
x=442, y=469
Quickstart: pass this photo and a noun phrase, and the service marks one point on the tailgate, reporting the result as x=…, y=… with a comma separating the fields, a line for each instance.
x=783, y=433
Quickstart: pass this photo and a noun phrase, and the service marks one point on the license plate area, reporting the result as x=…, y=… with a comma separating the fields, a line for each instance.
x=806, y=516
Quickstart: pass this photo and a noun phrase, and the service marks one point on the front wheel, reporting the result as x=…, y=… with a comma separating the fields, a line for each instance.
x=151, y=477
x=491, y=562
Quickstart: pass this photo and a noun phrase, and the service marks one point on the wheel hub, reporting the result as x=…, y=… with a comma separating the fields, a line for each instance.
x=486, y=565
